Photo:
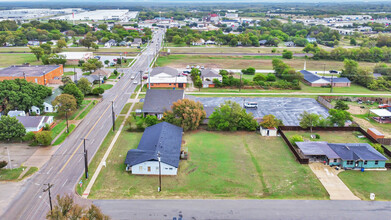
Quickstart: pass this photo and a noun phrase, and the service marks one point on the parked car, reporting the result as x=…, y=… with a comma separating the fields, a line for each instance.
x=187, y=67
x=202, y=67
x=186, y=71
x=132, y=77
x=333, y=71
x=145, y=77
x=135, y=82
x=384, y=106
x=251, y=105
x=97, y=57
x=198, y=67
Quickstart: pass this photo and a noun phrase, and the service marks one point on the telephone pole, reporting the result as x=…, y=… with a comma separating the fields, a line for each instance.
x=331, y=88
x=160, y=172
x=85, y=159
x=112, y=110
x=50, y=197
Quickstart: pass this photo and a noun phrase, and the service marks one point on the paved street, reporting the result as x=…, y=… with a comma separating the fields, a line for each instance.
x=66, y=166
x=244, y=209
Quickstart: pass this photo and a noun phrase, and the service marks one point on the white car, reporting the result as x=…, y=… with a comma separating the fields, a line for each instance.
x=132, y=77
x=187, y=67
x=251, y=105
x=135, y=82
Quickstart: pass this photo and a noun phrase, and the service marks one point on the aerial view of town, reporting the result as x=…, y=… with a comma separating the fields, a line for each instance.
x=188, y=110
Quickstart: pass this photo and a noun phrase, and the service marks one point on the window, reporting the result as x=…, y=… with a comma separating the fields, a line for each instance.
x=376, y=162
x=170, y=168
x=157, y=168
x=149, y=169
x=335, y=160
x=166, y=168
x=169, y=84
x=349, y=162
x=365, y=162
x=47, y=108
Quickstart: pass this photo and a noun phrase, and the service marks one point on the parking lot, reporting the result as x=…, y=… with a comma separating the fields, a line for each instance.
x=286, y=109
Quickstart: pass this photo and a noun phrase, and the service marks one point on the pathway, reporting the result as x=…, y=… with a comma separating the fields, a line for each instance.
x=331, y=182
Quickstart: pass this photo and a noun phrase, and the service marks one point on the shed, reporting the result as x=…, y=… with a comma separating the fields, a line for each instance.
x=272, y=132
x=375, y=133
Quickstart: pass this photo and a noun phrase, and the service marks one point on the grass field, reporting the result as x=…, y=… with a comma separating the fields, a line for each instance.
x=330, y=136
x=126, y=108
x=241, y=62
x=10, y=174
x=220, y=165
x=80, y=109
x=7, y=60
x=58, y=128
x=364, y=183
x=64, y=135
x=86, y=111
x=232, y=49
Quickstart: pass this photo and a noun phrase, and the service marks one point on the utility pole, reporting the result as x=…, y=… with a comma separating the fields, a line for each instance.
x=112, y=110
x=85, y=159
x=24, y=75
x=240, y=85
x=50, y=197
x=331, y=88
x=141, y=77
x=74, y=74
x=66, y=117
x=160, y=172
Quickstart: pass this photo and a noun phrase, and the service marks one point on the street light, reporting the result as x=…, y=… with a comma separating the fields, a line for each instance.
x=160, y=173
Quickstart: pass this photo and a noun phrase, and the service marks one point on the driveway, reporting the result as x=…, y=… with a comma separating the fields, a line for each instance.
x=332, y=183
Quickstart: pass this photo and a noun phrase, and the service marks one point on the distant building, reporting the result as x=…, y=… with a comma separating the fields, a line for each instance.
x=314, y=80
x=42, y=75
x=311, y=40
x=158, y=101
x=137, y=42
x=289, y=44
x=163, y=140
x=16, y=113
x=166, y=77
x=198, y=42
x=74, y=57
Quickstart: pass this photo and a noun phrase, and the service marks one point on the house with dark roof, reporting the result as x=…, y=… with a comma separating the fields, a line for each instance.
x=163, y=139
x=35, y=123
x=314, y=80
x=345, y=155
x=157, y=101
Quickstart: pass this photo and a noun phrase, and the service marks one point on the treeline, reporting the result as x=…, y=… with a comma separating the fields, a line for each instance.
x=274, y=32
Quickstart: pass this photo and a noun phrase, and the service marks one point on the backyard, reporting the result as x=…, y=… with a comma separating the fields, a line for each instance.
x=330, y=136
x=220, y=165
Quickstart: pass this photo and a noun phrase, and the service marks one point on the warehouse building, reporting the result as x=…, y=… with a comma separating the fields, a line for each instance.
x=43, y=75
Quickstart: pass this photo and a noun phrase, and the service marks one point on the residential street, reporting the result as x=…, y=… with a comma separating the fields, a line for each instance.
x=66, y=166
x=244, y=209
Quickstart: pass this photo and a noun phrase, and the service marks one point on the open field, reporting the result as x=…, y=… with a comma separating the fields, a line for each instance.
x=233, y=49
x=241, y=62
x=17, y=59
x=330, y=136
x=364, y=183
x=71, y=49
x=220, y=165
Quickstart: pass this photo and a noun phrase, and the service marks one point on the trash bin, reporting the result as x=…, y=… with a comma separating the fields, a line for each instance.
x=362, y=169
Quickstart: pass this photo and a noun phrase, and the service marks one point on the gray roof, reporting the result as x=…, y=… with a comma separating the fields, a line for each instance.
x=311, y=77
x=262, y=41
x=360, y=151
x=137, y=41
x=160, y=100
x=56, y=92
x=310, y=148
x=337, y=79
x=17, y=71
x=92, y=78
x=15, y=113
x=210, y=73
x=164, y=138
x=168, y=70
x=31, y=121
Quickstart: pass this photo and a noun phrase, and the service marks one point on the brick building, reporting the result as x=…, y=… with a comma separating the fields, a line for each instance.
x=42, y=75
x=314, y=80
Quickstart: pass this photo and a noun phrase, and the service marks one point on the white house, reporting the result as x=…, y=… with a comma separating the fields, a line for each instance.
x=160, y=144
x=198, y=42
x=47, y=103
x=35, y=123
x=210, y=75
x=268, y=131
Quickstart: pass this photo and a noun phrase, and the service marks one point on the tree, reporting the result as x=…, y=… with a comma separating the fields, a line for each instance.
x=84, y=85
x=61, y=44
x=37, y=51
x=151, y=120
x=270, y=121
x=67, y=209
x=197, y=82
x=72, y=89
x=107, y=62
x=309, y=120
x=91, y=65
x=350, y=69
x=185, y=113
x=249, y=71
x=259, y=77
x=54, y=59
x=66, y=103
x=11, y=129
x=230, y=116
x=296, y=138
x=341, y=105
x=47, y=48
x=339, y=117
x=287, y=54
x=88, y=40
x=97, y=91
x=43, y=138
x=353, y=42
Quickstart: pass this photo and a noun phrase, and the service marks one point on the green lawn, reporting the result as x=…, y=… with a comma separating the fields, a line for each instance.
x=330, y=136
x=220, y=165
x=10, y=175
x=30, y=172
x=126, y=108
x=17, y=59
x=138, y=105
x=364, y=183
x=58, y=128
x=80, y=109
x=86, y=111
x=64, y=135
x=69, y=73
x=106, y=86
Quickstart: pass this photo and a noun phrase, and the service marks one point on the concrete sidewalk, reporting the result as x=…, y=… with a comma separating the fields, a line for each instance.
x=332, y=183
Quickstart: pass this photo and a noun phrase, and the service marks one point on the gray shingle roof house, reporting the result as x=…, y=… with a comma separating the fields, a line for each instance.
x=157, y=101
x=317, y=81
x=346, y=155
x=210, y=74
x=164, y=72
x=163, y=138
x=35, y=123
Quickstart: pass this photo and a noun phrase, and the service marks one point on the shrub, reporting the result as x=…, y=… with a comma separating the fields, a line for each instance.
x=317, y=136
x=43, y=138
x=378, y=147
x=98, y=91
x=115, y=72
x=29, y=136
x=274, y=50
x=287, y=54
x=270, y=77
x=296, y=138
x=46, y=127
x=3, y=164
x=259, y=77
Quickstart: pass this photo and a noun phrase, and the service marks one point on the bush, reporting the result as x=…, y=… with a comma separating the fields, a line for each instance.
x=29, y=136
x=274, y=50
x=287, y=54
x=378, y=147
x=317, y=136
x=249, y=71
x=296, y=138
x=115, y=72
x=43, y=138
x=271, y=77
x=259, y=77
x=3, y=164
x=46, y=127
x=98, y=91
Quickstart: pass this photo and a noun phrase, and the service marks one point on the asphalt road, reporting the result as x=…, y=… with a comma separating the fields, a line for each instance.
x=66, y=166
x=245, y=54
x=244, y=209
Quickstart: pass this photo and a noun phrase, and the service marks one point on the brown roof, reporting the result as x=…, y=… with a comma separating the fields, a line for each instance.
x=102, y=72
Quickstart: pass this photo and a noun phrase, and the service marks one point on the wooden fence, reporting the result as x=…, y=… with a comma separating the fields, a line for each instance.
x=384, y=141
x=325, y=103
x=303, y=160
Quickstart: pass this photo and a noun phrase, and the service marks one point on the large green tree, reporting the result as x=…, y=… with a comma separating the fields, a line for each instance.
x=88, y=40
x=22, y=95
x=72, y=89
x=91, y=65
x=37, y=51
x=185, y=113
x=11, y=128
x=339, y=117
x=309, y=120
x=230, y=116
x=270, y=121
x=65, y=103
x=84, y=85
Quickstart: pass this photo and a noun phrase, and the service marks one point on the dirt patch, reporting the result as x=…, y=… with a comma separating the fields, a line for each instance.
x=356, y=110
x=366, y=124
